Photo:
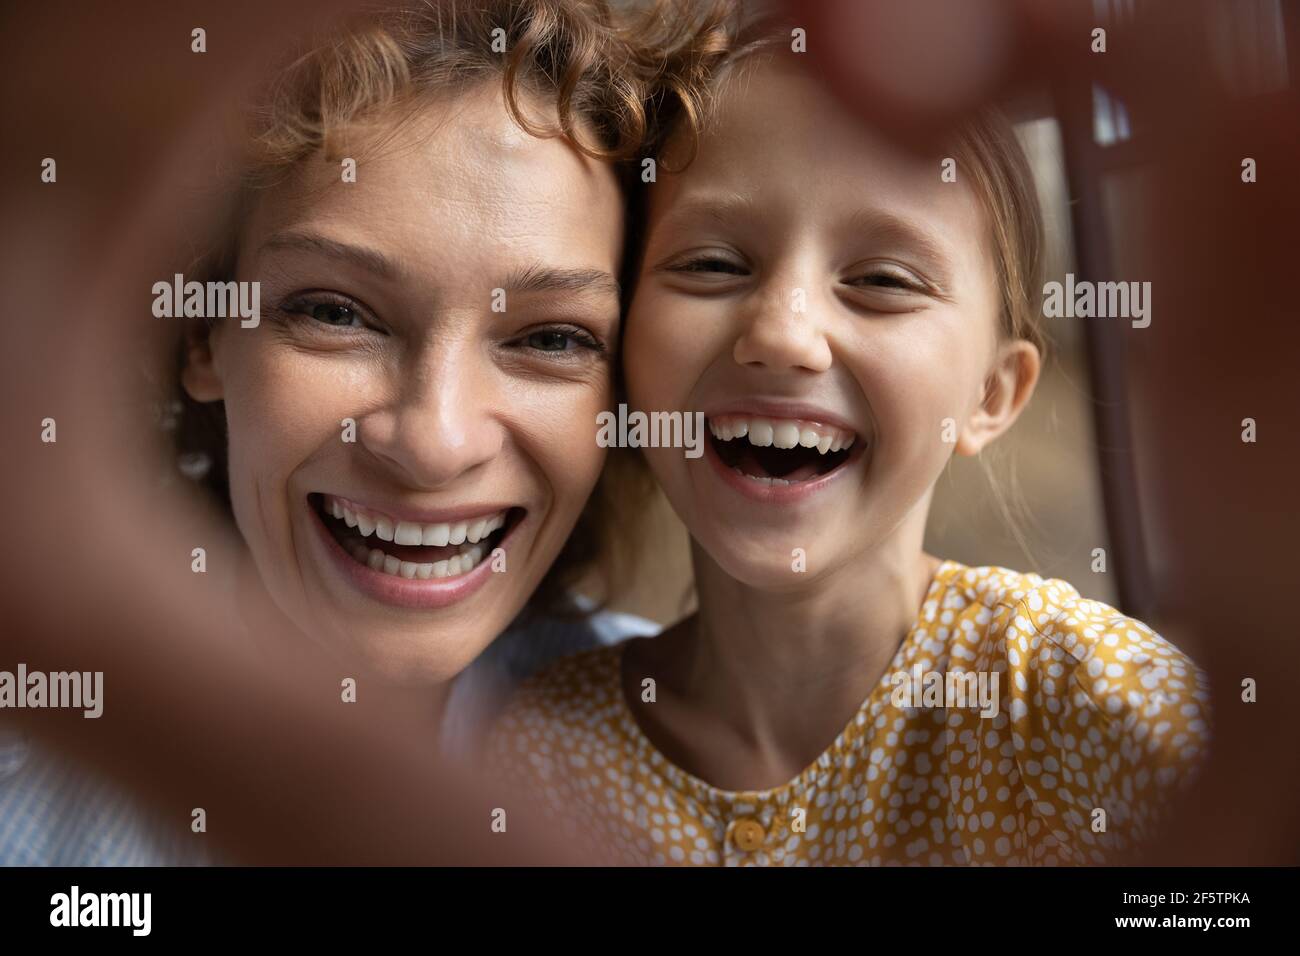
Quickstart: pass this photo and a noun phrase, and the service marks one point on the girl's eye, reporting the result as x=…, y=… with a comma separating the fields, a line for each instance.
x=887, y=280
x=710, y=264
x=561, y=340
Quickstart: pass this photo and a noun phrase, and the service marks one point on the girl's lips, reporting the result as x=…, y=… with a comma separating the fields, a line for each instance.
x=778, y=494
x=416, y=593
x=785, y=411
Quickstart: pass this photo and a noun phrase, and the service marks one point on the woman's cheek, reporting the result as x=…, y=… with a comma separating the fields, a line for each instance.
x=284, y=407
x=560, y=435
x=282, y=410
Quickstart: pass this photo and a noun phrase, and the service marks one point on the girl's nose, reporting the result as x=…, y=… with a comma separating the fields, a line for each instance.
x=784, y=332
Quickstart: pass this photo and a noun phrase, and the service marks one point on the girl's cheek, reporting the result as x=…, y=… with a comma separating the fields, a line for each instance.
x=909, y=403
x=677, y=339
x=646, y=345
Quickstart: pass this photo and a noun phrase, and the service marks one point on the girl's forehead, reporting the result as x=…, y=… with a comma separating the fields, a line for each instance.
x=774, y=119
x=777, y=146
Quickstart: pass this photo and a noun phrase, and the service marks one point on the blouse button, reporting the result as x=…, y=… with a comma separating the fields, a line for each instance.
x=747, y=834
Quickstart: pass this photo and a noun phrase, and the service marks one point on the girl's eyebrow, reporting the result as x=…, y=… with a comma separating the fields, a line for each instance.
x=897, y=231
x=723, y=208
x=877, y=224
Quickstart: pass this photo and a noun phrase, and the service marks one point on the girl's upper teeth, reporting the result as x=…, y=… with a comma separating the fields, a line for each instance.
x=410, y=532
x=781, y=432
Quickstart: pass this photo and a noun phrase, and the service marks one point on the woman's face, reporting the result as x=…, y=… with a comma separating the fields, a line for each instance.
x=810, y=289
x=458, y=303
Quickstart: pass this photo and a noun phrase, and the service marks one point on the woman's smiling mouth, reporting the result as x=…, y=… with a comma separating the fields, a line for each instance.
x=778, y=459
x=411, y=549
x=412, y=563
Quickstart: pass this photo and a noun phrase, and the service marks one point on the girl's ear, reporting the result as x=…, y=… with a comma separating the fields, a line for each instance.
x=1007, y=389
x=199, y=377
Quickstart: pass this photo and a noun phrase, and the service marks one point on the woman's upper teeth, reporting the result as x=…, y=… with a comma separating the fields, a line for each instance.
x=410, y=532
x=781, y=432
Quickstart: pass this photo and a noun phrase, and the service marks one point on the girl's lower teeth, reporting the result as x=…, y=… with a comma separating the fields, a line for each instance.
x=377, y=560
x=764, y=481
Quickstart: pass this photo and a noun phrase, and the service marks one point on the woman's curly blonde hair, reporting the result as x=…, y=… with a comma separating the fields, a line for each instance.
x=604, y=71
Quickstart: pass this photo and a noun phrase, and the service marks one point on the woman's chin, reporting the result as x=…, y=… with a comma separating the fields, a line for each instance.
x=424, y=652
x=428, y=658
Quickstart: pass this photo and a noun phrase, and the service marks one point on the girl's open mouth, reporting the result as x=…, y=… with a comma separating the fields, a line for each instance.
x=408, y=549
x=780, y=452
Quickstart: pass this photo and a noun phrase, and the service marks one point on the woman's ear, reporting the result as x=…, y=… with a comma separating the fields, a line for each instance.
x=1007, y=390
x=199, y=376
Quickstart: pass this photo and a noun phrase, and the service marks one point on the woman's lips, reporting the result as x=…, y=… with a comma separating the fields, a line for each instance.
x=455, y=527
x=413, y=584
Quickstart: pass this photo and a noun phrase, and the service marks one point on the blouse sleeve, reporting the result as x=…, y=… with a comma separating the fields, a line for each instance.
x=1109, y=721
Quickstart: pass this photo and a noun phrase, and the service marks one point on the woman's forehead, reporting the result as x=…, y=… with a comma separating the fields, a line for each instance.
x=456, y=172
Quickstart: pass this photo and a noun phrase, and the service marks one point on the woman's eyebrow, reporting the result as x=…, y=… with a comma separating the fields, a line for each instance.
x=540, y=278
x=533, y=278
x=372, y=260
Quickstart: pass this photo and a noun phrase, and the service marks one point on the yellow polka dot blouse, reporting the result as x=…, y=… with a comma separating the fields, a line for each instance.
x=1098, y=722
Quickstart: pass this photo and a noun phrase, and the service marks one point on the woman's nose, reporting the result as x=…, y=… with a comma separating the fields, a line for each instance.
x=441, y=423
x=784, y=330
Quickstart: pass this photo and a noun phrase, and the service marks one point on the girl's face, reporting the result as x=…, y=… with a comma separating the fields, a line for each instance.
x=457, y=302
x=808, y=288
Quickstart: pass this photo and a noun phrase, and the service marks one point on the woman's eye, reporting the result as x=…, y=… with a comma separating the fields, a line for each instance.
x=549, y=341
x=560, y=340
x=325, y=310
x=331, y=313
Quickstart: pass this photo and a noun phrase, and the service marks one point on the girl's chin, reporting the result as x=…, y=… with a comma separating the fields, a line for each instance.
x=769, y=565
